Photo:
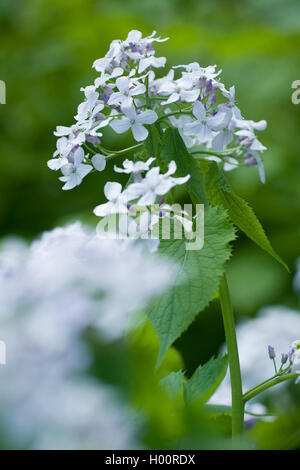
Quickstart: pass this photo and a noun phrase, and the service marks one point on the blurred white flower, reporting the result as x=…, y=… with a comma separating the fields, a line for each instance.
x=51, y=291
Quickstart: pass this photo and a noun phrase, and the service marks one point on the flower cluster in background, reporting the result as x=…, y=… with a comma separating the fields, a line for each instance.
x=51, y=292
x=273, y=325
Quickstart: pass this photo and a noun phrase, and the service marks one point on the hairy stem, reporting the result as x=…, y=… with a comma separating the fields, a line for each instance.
x=234, y=363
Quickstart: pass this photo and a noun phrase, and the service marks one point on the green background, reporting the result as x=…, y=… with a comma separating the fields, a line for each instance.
x=47, y=50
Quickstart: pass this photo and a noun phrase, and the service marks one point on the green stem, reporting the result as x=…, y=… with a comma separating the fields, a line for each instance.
x=148, y=100
x=225, y=153
x=117, y=153
x=262, y=383
x=233, y=356
x=252, y=393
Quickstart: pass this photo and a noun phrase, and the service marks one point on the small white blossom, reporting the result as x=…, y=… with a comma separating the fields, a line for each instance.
x=134, y=167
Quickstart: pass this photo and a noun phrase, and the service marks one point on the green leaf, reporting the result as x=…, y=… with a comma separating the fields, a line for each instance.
x=205, y=380
x=172, y=384
x=242, y=215
x=153, y=143
x=173, y=148
x=197, y=275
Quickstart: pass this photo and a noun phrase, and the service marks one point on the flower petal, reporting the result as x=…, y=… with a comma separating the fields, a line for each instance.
x=99, y=162
x=147, y=117
x=139, y=132
x=123, y=84
x=120, y=125
x=199, y=111
x=189, y=95
x=78, y=156
x=112, y=190
x=73, y=180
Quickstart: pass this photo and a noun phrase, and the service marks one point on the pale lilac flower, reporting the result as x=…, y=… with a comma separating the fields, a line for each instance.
x=134, y=121
x=85, y=108
x=177, y=91
x=127, y=90
x=205, y=124
x=74, y=172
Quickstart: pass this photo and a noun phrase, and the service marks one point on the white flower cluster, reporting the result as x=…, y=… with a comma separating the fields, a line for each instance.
x=127, y=95
x=51, y=292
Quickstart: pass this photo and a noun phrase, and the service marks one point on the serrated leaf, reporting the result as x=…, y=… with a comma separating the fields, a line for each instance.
x=242, y=215
x=205, y=380
x=172, y=384
x=196, y=279
x=173, y=148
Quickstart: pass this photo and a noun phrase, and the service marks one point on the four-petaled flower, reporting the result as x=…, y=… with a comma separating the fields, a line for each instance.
x=126, y=92
x=134, y=121
x=205, y=124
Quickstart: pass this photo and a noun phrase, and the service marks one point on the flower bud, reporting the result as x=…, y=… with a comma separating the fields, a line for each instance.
x=271, y=352
x=284, y=358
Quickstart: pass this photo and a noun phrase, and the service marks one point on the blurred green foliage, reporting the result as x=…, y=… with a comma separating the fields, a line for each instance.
x=47, y=49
